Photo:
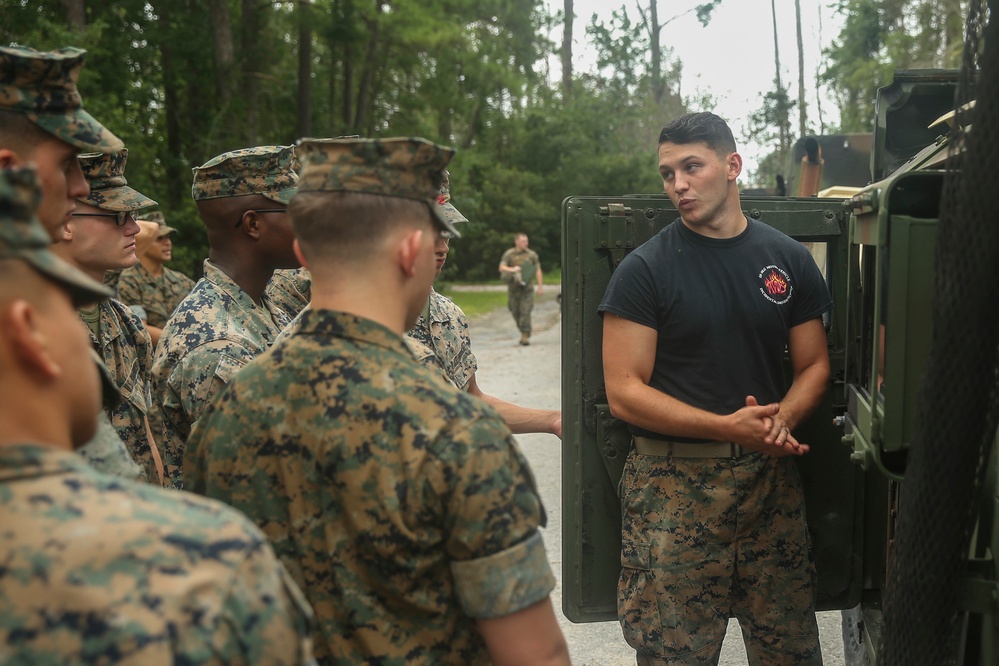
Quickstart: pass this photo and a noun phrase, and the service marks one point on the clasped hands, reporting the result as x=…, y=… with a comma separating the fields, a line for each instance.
x=762, y=428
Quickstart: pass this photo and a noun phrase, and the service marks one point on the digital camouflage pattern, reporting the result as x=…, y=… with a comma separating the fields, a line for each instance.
x=290, y=289
x=214, y=332
x=97, y=570
x=159, y=296
x=127, y=352
x=446, y=335
x=106, y=453
x=265, y=170
x=105, y=173
x=402, y=506
x=22, y=236
x=447, y=208
x=398, y=167
x=42, y=86
x=520, y=298
x=701, y=540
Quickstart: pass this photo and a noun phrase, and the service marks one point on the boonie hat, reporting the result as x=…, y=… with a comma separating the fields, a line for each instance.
x=105, y=173
x=23, y=237
x=157, y=217
x=411, y=168
x=42, y=85
x=265, y=170
x=447, y=208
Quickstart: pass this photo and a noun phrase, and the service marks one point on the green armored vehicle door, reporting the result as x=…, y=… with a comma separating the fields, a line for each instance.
x=597, y=233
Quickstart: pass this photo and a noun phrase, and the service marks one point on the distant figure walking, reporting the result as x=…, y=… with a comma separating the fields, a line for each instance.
x=520, y=268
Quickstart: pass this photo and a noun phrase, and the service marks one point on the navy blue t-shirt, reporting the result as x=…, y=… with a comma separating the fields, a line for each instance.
x=722, y=308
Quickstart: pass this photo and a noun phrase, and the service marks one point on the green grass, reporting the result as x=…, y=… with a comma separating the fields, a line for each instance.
x=474, y=303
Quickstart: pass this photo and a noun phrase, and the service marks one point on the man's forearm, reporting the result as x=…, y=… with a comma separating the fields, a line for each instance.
x=523, y=420
x=805, y=395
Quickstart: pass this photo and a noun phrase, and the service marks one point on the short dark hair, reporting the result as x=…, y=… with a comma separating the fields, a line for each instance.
x=19, y=134
x=344, y=225
x=698, y=127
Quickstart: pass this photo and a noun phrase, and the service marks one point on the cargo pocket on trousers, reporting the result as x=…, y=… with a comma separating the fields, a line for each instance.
x=637, y=599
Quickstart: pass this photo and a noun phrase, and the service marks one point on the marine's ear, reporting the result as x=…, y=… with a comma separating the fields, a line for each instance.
x=734, y=165
x=410, y=245
x=28, y=343
x=298, y=254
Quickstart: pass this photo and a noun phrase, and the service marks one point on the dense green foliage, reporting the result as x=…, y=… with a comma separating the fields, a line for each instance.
x=184, y=80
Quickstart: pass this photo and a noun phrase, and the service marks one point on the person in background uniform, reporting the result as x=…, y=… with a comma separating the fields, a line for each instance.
x=226, y=320
x=696, y=322
x=520, y=293
x=152, y=286
x=100, y=237
x=97, y=569
x=402, y=506
x=42, y=122
x=290, y=289
x=440, y=340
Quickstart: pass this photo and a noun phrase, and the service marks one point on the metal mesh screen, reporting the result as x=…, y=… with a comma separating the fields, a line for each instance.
x=956, y=420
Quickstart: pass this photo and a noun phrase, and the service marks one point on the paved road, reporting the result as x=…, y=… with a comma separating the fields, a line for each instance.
x=531, y=376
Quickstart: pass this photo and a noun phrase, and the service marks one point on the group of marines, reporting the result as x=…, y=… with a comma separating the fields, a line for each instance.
x=328, y=498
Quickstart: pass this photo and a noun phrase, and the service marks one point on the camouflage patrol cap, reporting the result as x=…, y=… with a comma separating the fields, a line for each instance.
x=23, y=237
x=265, y=170
x=445, y=205
x=157, y=217
x=411, y=168
x=42, y=86
x=105, y=173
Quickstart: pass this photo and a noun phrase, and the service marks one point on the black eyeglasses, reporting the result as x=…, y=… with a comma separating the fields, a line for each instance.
x=121, y=218
x=260, y=210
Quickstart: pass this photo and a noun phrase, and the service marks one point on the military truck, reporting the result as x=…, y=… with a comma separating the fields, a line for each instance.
x=880, y=255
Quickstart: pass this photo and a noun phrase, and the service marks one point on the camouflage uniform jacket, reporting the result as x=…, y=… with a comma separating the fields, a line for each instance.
x=447, y=335
x=97, y=570
x=515, y=257
x=127, y=351
x=423, y=353
x=215, y=331
x=402, y=506
x=106, y=453
x=158, y=296
x=290, y=289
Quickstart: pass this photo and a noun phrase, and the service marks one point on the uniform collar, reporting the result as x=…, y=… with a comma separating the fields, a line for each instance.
x=28, y=461
x=331, y=323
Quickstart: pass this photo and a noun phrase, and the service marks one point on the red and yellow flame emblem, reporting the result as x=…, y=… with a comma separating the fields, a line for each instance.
x=775, y=284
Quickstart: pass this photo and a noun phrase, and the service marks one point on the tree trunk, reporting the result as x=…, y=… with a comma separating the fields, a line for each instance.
x=176, y=191
x=348, y=88
x=658, y=85
x=370, y=67
x=802, y=120
x=567, y=50
x=251, y=68
x=224, y=54
x=76, y=14
x=782, y=119
x=304, y=68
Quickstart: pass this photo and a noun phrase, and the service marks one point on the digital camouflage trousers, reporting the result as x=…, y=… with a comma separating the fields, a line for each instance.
x=704, y=540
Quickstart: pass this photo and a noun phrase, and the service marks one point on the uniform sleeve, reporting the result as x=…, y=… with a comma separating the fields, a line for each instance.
x=182, y=398
x=492, y=513
x=265, y=618
x=129, y=291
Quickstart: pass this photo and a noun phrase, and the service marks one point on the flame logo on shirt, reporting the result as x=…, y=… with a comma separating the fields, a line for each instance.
x=775, y=284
